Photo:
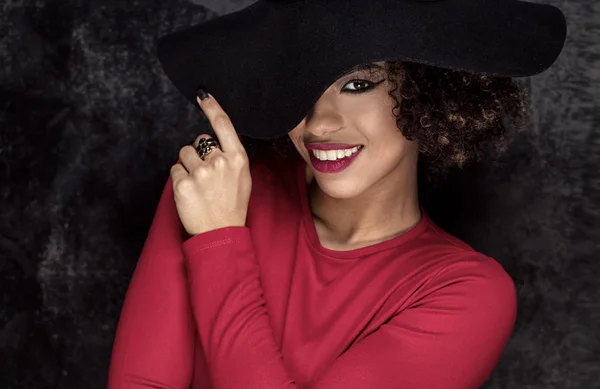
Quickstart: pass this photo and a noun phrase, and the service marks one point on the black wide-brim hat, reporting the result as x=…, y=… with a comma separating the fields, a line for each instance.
x=269, y=63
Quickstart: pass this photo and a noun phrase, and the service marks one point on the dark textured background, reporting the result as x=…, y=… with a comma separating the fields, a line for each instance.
x=90, y=127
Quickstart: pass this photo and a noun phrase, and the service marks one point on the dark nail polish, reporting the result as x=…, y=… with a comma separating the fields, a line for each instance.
x=201, y=93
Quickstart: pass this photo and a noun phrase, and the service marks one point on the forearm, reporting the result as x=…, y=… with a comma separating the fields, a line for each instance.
x=231, y=313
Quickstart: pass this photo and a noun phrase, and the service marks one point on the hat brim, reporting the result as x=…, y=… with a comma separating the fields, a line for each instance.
x=269, y=63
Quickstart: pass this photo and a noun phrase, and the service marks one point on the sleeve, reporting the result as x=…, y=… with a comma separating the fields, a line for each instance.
x=450, y=339
x=155, y=338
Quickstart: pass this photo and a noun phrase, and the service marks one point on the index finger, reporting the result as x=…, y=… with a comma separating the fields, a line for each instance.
x=221, y=124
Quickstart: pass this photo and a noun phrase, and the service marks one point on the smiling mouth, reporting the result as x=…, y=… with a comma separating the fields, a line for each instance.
x=336, y=165
x=334, y=155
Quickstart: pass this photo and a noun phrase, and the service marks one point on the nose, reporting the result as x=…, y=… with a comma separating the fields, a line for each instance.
x=323, y=119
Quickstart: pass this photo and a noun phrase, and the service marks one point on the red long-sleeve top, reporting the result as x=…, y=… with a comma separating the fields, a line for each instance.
x=266, y=306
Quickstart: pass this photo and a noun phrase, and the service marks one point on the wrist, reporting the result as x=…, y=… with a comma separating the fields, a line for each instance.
x=214, y=227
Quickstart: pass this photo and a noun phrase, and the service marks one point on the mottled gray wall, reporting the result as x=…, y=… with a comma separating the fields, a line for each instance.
x=89, y=127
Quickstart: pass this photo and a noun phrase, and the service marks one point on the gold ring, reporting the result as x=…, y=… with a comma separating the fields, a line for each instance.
x=206, y=146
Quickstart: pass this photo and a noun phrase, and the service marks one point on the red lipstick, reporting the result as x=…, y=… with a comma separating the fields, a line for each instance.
x=336, y=166
x=329, y=146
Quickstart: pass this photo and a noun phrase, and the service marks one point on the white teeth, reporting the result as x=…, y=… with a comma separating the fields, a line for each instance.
x=332, y=155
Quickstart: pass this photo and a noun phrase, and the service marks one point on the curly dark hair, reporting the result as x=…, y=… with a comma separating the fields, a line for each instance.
x=457, y=117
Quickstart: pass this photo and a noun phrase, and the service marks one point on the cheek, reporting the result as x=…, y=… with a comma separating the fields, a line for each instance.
x=296, y=134
x=296, y=137
x=389, y=145
x=379, y=126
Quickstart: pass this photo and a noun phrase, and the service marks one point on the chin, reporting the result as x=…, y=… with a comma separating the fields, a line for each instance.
x=341, y=189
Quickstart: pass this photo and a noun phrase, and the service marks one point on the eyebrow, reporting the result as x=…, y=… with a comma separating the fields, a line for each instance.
x=358, y=68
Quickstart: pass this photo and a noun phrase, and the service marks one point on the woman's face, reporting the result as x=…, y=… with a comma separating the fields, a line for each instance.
x=357, y=110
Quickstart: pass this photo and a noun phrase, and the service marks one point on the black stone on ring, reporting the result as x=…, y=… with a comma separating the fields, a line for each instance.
x=205, y=146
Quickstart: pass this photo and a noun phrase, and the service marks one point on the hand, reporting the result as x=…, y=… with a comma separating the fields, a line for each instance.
x=213, y=193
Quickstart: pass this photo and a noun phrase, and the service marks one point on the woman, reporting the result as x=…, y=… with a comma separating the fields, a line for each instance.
x=319, y=268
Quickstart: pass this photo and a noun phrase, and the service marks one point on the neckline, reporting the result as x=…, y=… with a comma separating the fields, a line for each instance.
x=313, y=238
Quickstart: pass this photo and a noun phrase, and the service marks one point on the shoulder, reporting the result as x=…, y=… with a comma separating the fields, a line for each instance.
x=272, y=171
x=461, y=272
x=477, y=285
x=474, y=268
x=464, y=266
x=461, y=319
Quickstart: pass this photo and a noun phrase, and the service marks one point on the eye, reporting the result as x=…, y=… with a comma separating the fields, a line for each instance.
x=360, y=86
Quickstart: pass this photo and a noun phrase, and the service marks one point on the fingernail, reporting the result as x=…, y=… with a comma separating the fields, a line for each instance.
x=201, y=93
